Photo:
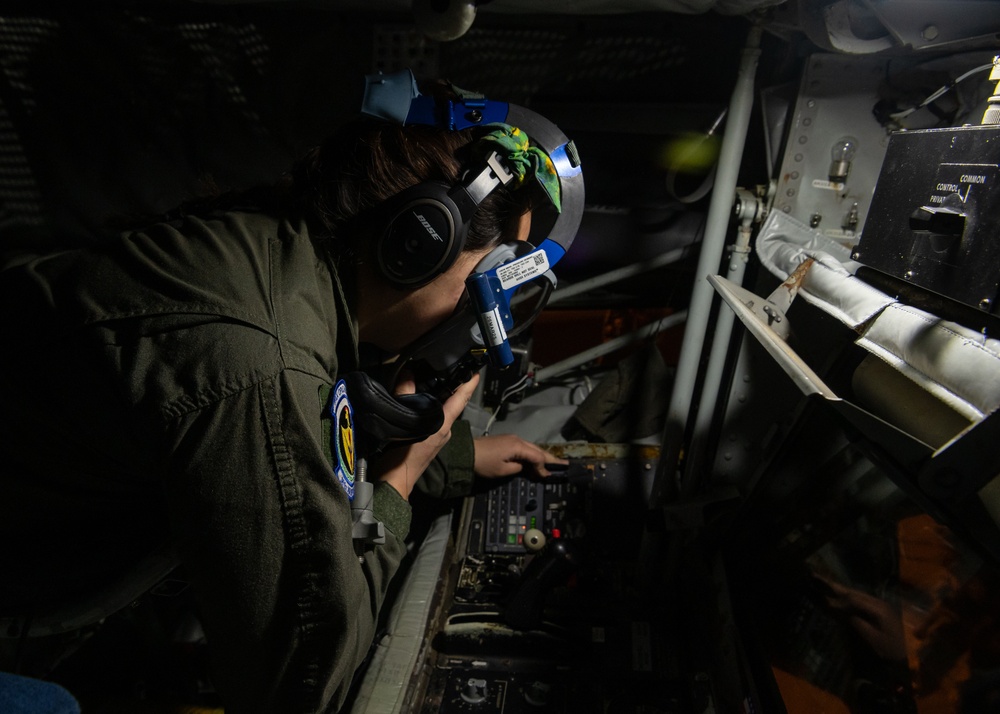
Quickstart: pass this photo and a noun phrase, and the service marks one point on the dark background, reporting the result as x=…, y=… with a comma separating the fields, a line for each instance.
x=128, y=109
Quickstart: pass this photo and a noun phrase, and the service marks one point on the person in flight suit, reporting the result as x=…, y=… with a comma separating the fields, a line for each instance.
x=173, y=385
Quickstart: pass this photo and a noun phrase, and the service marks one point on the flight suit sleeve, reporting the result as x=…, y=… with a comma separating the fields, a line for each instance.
x=264, y=531
x=451, y=474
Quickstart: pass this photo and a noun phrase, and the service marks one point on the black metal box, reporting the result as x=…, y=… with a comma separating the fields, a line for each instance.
x=935, y=214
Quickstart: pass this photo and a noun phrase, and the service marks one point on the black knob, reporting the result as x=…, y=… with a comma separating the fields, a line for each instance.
x=939, y=220
x=474, y=691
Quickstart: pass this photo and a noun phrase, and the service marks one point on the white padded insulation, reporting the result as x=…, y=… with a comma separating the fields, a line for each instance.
x=957, y=365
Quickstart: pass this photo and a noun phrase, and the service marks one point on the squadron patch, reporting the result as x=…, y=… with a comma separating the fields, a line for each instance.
x=342, y=433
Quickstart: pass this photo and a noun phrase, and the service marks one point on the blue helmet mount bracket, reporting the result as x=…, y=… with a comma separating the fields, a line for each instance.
x=493, y=295
x=480, y=329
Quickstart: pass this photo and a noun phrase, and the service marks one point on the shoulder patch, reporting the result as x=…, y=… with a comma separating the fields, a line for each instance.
x=339, y=436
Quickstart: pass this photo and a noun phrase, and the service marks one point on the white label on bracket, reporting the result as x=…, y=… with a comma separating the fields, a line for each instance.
x=523, y=269
x=495, y=334
x=829, y=185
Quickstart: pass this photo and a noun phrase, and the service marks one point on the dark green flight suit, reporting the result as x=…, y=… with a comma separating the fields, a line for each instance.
x=168, y=385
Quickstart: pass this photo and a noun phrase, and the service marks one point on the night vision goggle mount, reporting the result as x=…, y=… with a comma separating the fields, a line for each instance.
x=511, y=284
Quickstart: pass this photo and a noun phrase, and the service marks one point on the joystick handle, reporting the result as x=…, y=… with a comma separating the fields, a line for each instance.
x=553, y=566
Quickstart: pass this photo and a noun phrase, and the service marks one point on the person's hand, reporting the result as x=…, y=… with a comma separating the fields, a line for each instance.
x=402, y=466
x=506, y=454
x=877, y=622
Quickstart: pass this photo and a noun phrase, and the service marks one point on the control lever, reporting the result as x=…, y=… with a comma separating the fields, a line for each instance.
x=770, y=311
x=551, y=567
x=940, y=220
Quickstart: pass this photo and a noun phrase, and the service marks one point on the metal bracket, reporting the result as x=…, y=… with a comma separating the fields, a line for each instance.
x=770, y=311
x=366, y=529
x=963, y=466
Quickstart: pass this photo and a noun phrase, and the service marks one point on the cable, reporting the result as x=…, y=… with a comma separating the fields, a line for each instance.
x=521, y=384
x=690, y=150
x=588, y=385
x=896, y=116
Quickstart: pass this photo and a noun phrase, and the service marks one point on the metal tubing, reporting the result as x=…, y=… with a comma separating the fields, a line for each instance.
x=719, y=351
x=608, y=347
x=719, y=211
x=619, y=274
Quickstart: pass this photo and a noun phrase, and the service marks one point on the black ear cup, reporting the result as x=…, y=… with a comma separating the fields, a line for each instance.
x=422, y=237
x=426, y=225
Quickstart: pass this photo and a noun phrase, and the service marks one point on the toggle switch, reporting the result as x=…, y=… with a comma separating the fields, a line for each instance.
x=474, y=691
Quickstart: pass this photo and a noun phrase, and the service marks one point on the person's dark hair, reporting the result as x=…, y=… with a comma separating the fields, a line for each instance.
x=341, y=184
x=338, y=186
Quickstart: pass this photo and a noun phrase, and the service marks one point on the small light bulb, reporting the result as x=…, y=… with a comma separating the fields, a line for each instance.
x=841, y=155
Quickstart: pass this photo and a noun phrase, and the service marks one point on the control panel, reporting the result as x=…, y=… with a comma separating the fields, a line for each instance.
x=934, y=212
x=544, y=611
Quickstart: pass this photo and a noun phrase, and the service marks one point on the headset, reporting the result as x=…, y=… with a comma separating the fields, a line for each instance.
x=423, y=228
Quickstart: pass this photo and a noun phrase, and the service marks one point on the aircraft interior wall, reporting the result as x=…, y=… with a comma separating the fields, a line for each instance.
x=784, y=540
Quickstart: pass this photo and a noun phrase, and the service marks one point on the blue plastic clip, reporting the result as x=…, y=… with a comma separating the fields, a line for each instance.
x=493, y=322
